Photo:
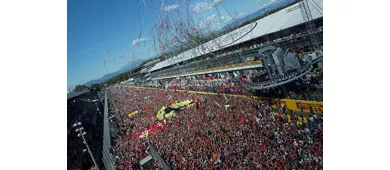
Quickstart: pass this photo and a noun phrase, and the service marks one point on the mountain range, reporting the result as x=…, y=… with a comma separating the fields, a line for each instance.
x=276, y=4
x=128, y=66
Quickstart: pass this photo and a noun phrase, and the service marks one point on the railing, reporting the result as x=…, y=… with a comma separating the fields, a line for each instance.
x=107, y=160
x=157, y=156
x=196, y=71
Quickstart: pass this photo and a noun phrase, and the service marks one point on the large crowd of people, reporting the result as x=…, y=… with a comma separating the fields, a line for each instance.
x=307, y=87
x=220, y=132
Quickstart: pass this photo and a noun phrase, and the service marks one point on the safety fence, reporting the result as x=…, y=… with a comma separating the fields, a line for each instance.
x=157, y=156
x=107, y=160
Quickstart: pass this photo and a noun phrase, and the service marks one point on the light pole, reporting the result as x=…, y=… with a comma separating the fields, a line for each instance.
x=81, y=133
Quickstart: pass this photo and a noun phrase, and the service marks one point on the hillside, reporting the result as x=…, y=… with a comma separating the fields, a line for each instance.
x=128, y=66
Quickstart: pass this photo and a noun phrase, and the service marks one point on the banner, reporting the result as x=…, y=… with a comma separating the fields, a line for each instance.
x=218, y=104
x=133, y=113
x=291, y=104
x=151, y=130
x=294, y=105
x=146, y=109
x=167, y=112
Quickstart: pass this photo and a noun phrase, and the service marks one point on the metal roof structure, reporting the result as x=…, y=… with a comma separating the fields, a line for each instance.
x=151, y=62
x=283, y=19
x=75, y=94
x=213, y=71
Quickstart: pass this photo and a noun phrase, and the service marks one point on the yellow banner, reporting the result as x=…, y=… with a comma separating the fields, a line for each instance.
x=294, y=105
x=289, y=103
x=161, y=113
x=133, y=113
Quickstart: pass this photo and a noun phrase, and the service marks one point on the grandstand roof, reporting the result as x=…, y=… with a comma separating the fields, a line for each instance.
x=75, y=94
x=214, y=71
x=151, y=62
x=280, y=20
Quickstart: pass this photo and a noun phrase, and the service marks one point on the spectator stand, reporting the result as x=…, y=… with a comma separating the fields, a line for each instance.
x=233, y=137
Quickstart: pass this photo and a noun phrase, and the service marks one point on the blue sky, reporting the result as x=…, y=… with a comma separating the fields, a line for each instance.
x=100, y=31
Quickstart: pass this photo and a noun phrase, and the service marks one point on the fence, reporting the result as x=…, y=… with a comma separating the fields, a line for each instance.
x=107, y=160
x=157, y=156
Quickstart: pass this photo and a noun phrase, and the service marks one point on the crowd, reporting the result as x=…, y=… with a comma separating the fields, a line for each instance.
x=221, y=132
x=307, y=87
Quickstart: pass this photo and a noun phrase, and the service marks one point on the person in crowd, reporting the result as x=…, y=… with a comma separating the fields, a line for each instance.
x=311, y=109
x=300, y=106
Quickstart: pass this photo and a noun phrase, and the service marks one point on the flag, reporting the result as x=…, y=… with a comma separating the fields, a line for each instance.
x=196, y=98
x=146, y=109
x=214, y=156
x=241, y=118
x=305, y=120
x=299, y=121
x=208, y=133
x=224, y=96
x=218, y=104
x=133, y=113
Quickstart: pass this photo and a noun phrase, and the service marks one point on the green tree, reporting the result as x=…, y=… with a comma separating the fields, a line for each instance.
x=95, y=87
x=80, y=88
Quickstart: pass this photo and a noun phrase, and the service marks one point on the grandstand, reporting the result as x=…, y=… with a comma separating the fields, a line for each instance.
x=234, y=57
x=238, y=50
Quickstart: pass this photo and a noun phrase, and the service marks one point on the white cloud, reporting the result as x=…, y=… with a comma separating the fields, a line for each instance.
x=226, y=18
x=170, y=8
x=202, y=6
x=216, y=3
x=266, y=2
x=136, y=42
x=241, y=14
x=209, y=18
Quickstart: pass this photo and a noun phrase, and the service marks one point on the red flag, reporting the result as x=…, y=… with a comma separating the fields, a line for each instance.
x=214, y=156
x=146, y=109
x=261, y=146
x=241, y=118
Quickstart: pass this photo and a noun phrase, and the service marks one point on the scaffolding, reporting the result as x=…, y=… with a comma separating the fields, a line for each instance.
x=308, y=19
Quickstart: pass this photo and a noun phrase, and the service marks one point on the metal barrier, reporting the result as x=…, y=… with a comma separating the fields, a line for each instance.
x=157, y=156
x=107, y=160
